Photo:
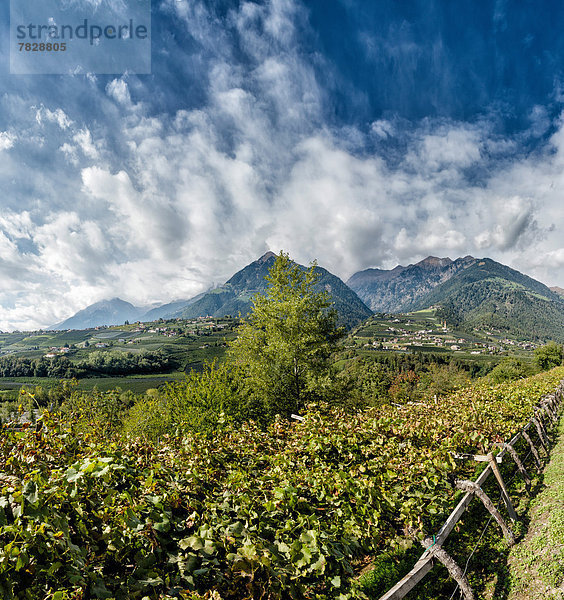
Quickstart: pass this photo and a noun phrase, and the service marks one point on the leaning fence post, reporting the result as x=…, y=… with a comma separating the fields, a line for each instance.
x=542, y=437
x=533, y=450
x=519, y=464
x=544, y=428
x=470, y=486
x=547, y=409
x=504, y=492
x=455, y=571
x=552, y=411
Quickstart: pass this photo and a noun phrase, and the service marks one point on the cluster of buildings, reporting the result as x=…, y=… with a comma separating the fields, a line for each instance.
x=57, y=351
x=397, y=338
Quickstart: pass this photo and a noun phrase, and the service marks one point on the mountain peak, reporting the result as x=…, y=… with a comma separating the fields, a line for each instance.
x=434, y=262
x=236, y=295
x=114, y=311
x=266, y=256
x=400, y=288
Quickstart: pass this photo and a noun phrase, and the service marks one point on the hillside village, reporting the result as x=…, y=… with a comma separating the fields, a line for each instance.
x=422, y=331
x=105, y=337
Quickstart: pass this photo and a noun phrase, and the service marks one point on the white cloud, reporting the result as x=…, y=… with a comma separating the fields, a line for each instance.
x=57, y=116
x=7, y=140
x=512, y=218
x=450, y=146
x=382, y=128
x=82, y=145
x=83, y=140
x=119, y=91
x=151, y=206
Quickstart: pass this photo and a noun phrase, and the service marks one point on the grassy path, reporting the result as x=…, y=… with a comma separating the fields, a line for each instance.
x=536, y=564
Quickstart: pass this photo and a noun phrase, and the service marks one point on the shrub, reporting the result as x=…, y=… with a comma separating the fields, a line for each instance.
x=203, y=402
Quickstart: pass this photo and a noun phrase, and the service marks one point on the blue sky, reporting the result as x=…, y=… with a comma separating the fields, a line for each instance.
x=359, y=133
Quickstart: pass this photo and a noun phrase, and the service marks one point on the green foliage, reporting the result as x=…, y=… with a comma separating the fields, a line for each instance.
x=97, y=362
x=402, y=378
x=549, y=356
x=440, y=380
x=387, y=569
x=404, y=387
x=244, y=512
x=16, y=366
x=53, y=395
x=202, y=403
x=366, y=382
x=114, y=362
x=96, y=413
x=284, y=345
x=509, y=369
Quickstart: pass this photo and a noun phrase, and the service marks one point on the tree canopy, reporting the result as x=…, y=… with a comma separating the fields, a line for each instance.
x=549, y=356
x=283, y=346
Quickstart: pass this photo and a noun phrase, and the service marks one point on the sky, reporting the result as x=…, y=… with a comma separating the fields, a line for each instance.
x=358, y=133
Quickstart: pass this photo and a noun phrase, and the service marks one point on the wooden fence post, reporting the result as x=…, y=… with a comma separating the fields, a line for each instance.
x=542, y=437
x=533, y=450
x=470, y=486
x=447, y=560
x=519, y=464
x=539, y=415
x=504, y=492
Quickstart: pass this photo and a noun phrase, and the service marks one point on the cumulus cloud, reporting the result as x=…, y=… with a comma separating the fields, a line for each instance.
x=118, y=90
x=57, y=116
x=7, y=140
x=129, y=192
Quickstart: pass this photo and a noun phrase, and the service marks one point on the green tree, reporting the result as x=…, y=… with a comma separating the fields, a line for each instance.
x=367, y=382
x=510, y=369
x=203, y=403
x=440, y=380
x=284, y=345
x=548, y=356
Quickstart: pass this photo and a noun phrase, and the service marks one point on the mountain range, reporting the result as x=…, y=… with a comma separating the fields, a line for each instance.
x=398, y=289
x=468, y=292
x=232, y=298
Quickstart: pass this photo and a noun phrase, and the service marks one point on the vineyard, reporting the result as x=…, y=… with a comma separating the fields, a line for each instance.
x=296, y=510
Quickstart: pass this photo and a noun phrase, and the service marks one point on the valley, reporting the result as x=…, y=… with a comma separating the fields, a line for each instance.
x=187, y=345
x=183, y=345
x=474, y=311
x=334, y=442
x=424, y=331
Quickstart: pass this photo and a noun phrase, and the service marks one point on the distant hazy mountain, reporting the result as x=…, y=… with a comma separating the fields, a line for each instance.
x=470, y=293
x=168, y=311
x=105, y=312
x=234, y=297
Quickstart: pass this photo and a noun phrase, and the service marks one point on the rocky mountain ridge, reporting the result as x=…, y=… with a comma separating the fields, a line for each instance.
x=398, y=289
